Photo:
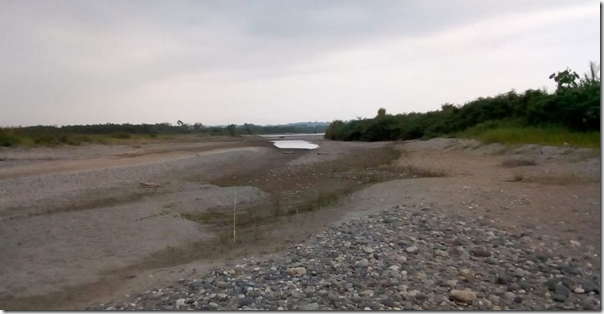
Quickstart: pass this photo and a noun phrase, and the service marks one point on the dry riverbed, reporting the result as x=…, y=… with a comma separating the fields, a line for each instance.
x=81, y=230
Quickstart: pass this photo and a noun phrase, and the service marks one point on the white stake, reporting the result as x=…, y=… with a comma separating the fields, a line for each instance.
x=234, y=217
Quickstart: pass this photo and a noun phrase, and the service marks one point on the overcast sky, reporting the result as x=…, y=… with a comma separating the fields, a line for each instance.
x=269, y=62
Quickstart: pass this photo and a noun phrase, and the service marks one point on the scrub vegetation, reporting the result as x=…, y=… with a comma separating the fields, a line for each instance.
x=568, y=116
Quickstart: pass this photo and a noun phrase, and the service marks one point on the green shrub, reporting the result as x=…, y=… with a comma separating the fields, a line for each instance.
x=553, y=136
x=47, y=140
x=8, y=139
x=121, y=135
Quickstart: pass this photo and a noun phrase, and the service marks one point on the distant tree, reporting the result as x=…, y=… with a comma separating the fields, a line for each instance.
x=197, y=127
x=593, y=76
x=231, y=129
x=180, y=123
x=381, y=113
x=565, y=79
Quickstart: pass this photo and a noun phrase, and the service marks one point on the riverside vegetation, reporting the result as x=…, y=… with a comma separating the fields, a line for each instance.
x=117, y=133
x=569, y=115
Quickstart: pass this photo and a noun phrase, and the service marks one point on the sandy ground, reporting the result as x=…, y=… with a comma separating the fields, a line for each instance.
x=554, y=201
x=79, y=228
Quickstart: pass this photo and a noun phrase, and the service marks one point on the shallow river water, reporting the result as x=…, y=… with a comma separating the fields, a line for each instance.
x=295, y=144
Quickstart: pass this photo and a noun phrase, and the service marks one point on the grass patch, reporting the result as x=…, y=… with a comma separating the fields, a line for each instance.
x=204, y=217
x=420, y=172
x=565, y=179
x=511, y=163
x=326, y=198
x=550, y=136
x=12, y=137
x=121, y=135
x=518, y=178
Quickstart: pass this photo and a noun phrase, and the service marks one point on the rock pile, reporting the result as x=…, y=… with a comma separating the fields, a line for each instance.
x=398, y=259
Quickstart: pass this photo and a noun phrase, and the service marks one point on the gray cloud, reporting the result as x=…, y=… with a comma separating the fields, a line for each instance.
x=216, y=62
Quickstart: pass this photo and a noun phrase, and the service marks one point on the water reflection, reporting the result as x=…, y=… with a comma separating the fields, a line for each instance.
x=295, y=144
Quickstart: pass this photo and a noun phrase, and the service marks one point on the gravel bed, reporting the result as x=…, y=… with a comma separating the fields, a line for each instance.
x=401, y=259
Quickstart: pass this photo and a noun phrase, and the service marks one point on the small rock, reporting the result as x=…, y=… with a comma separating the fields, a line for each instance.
x=388, y=302
x=562, y=290
x=465, y=272
x=590, y=304
x=483, y=304
x=503, y=279
x=480, y=252
x=244, y=302
x=412, y=249
x=310, y=307
x=297, y=271
x=558, y=297
x=550, y=284
x=519, y=272
x=464, y=295
x=493, y=298
x=509, y=295
x=526, y=240
x=441, y=253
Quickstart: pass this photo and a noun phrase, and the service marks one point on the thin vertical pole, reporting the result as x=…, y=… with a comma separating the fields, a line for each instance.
x=235, y=217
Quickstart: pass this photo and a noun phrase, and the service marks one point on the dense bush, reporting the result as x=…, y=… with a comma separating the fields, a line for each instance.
x=574, y=106
x=7, y=138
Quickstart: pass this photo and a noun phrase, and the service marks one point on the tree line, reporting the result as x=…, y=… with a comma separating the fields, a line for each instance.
x=575, y=105
x=76, y=134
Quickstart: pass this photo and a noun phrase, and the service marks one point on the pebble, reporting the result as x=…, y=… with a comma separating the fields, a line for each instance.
x=464, y=295
x=297, y=271
x=412, y=249
x=509, y=295
x=310, y=307
x=562, y=290
x=465, y=272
